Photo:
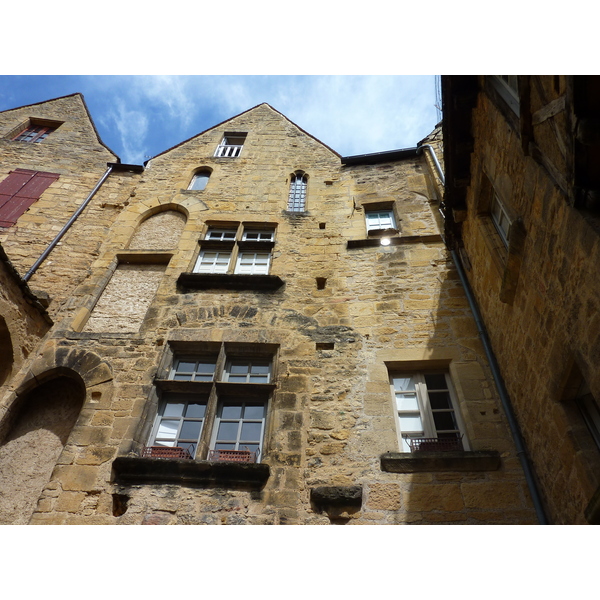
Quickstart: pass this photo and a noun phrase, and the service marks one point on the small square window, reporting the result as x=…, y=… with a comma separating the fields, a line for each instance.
x=258, y=236
x=221, y=235
x=192, y=369
x=248, y=371
x=35, y=131
x=380, y=220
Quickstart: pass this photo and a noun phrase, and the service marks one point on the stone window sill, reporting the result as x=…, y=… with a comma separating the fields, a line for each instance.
x=394, y=241
x=206, y=281
x=422, y=462
x=134, y=471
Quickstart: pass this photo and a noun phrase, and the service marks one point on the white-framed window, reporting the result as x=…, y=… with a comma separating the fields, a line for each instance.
x=179, y=422
x=199, y=181
x=243, y=250
x=239, y=425
x=426, y=407
x=231, y=145
x=297, y=196
x=380, y=219
x=253, y=263
x=212, y=261
x=193, y=369
x=500, y=218
x=221, y=235
x=251, y=235
x=248, y=371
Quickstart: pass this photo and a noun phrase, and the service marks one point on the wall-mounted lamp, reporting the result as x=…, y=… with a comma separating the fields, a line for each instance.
x=385, y=241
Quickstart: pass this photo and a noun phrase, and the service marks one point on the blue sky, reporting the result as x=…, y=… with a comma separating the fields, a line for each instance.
x=140, y=116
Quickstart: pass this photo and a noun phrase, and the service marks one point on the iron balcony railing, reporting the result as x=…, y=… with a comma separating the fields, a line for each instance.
x=441, y=444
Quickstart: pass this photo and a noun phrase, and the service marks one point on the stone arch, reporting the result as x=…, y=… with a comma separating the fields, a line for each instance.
x=6, y=352
x=159, y=229
x=36, y=430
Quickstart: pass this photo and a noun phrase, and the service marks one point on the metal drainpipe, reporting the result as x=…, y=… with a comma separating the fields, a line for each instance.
x=64, y=230
x=504, y=397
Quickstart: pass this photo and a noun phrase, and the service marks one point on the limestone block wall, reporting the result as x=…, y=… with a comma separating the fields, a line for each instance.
x=551, y=326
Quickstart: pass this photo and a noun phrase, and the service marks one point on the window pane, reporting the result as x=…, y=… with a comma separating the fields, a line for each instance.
x=173, y=410
x=164, y=443
x=251, y=432
x=436, y=381
x=167, y=429
x=440, y=400
x=222, y=446
x=407, y=402
x=190, y=430
x=199, y=182
x=254, y=412
x=410, y=423
x=444, y=420
x=185, y=366
x=402, y=384
x=195, y=411
x=237, y=368
x=231, y=412
x=251, y=447
x=227, y=431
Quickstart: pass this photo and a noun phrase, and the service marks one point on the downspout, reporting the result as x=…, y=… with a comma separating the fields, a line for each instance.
x=70, y=222
x=504, y=397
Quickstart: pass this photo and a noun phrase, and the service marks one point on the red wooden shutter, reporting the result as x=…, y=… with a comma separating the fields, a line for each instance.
x=19, y=191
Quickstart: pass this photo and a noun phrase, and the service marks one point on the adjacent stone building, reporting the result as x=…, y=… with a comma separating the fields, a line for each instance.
x=248, y=329
x=523, y=220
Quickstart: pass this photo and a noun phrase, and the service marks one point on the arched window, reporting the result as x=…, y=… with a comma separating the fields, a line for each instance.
x=199, y=180
x=297, y=197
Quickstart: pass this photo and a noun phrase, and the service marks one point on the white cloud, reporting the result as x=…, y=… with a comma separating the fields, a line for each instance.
x=351, y=114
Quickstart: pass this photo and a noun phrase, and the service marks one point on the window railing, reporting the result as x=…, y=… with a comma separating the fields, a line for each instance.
x=228, y=151
x=441, y=444
x=165, y=452
x=244, y=456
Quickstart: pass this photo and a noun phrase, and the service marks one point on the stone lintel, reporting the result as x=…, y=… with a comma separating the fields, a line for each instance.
x=406, y=462
x=134, y=471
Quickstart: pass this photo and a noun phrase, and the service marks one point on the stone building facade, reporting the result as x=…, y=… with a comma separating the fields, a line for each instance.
x=250, y=329
x=523, y=215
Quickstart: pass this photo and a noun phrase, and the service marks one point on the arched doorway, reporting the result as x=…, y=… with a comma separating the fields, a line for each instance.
x=42, y=422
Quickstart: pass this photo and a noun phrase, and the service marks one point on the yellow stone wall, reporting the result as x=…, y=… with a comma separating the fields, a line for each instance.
x=331, y=416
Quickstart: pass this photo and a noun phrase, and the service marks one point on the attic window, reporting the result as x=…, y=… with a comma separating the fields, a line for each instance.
x=34, y=130
x=231, y=145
